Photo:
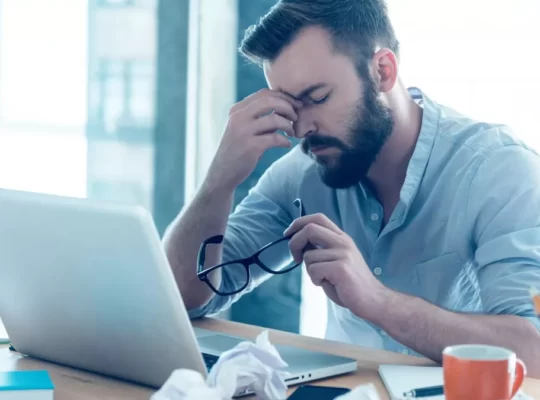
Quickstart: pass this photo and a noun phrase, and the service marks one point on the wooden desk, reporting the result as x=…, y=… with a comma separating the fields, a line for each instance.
x=73, y=384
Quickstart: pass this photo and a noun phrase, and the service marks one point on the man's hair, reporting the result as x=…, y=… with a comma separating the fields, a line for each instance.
x=356, y=28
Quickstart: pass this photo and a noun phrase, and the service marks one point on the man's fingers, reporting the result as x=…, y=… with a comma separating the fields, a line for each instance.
x=318, y=219
x=270, y=140
x=313, y=234
x=260, y=94
x=321, y=272
x=317, y=255
x=272, y=104
x=271, y=123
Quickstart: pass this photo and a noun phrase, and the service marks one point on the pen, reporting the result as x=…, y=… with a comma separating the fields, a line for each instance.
x=425, y=392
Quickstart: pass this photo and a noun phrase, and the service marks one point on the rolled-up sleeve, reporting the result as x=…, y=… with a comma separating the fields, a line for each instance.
x=504, y=204
x=260, y=218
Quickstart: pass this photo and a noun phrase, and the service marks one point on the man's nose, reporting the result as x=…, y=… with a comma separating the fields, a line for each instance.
x=304, y=125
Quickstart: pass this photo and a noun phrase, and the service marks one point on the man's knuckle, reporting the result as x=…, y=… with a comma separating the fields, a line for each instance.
x=278, y=139
x=319, y=217
x=275, y=119
x=233, y=109
x=311, y=227
x=263, y=102
x=234, y=119
x=293, y=243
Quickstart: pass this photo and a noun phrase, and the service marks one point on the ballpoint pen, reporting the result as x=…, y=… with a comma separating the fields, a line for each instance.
x=425, y=392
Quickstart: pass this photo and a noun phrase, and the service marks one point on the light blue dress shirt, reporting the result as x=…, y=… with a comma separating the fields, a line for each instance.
x=465, y=234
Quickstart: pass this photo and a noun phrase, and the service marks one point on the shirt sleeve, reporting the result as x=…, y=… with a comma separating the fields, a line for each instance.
x=504, y=205
x=260, y=218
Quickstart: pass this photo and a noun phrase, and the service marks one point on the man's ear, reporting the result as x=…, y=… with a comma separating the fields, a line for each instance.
x=385, y=69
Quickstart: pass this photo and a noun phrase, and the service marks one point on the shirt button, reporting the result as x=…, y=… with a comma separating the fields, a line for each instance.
x=406, y=351
x=377, y=271
x=374, y=217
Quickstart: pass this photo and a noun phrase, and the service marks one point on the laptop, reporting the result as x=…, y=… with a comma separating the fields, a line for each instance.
x=87, y=284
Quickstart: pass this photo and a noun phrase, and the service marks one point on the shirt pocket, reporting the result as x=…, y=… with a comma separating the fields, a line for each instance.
x=445, y=281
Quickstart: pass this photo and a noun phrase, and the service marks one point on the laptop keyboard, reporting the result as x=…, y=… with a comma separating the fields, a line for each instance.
x=209, y=360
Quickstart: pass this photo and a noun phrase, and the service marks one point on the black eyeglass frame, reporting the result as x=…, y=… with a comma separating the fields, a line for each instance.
x=202, y=273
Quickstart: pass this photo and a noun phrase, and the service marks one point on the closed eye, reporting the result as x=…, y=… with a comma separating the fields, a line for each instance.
x=321, y=100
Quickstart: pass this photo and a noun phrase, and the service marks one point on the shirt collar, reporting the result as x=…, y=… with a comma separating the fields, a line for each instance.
x=422, y=152
x=424, y=145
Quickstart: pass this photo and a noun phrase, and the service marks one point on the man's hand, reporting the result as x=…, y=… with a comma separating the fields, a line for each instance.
x=334, y=262
x=250, y=131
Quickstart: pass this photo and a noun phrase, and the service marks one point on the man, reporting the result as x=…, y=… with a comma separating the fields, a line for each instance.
x=422, y=226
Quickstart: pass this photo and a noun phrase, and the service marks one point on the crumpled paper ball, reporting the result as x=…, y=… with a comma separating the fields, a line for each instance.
x=249, y=365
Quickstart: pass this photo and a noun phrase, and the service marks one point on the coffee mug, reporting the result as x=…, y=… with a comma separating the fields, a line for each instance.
x=481, y=372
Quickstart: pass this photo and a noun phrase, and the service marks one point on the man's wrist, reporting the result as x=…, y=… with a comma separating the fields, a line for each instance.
x=378, y=305
x=212, y=186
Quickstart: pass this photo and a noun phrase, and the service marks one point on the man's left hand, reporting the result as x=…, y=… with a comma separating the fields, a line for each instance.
x=334, y=262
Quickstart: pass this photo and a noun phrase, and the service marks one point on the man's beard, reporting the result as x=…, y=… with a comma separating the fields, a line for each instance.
x=370, y=126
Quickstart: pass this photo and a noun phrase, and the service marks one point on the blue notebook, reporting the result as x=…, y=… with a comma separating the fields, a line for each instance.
x=14, y=381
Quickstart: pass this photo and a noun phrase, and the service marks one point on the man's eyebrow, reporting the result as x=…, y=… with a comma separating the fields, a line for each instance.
x=306, y=92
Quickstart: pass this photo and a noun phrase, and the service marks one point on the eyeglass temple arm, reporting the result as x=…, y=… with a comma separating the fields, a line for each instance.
x=300, y=205
x=201, y=258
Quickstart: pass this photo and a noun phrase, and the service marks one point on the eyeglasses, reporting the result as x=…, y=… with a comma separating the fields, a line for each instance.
x=274, y=258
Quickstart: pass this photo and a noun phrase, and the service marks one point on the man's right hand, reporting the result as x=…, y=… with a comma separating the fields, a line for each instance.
x=250, y=131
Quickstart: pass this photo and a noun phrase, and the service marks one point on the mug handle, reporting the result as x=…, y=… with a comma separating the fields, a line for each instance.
x=521, y=373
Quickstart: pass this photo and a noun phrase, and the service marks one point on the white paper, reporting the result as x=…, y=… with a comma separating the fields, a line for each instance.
x=369, y=392
x=3, y=333
x=362, y=392
x=257, y=366
x=520, y=395
x=185, y=384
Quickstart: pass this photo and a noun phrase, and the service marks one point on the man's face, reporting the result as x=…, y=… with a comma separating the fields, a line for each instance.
x=342, y=123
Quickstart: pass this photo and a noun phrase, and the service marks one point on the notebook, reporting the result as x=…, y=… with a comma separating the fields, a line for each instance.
x=399, y=379
x=26, y=385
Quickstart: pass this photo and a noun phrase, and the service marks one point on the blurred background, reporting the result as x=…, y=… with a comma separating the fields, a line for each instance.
x=126, y=100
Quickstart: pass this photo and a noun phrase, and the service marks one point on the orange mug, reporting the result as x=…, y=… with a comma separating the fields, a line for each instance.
x=481, y=372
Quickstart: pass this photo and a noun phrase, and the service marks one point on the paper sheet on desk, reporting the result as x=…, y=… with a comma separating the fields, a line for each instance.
x=369, y=392
x=257, y=366
x=399, y=379
x=3, y=334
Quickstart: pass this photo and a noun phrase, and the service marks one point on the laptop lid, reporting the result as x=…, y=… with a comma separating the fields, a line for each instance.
x=87, y=284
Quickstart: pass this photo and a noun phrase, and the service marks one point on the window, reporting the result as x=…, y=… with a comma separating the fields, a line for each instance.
x=77, y=97
x=43, y=67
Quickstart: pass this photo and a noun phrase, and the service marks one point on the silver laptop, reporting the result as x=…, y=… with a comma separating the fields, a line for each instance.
x=87, y=284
